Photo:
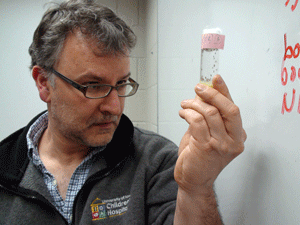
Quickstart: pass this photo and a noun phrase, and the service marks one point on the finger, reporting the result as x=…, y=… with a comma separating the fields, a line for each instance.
x=220, y=85
x=229, y=112
x=197, y=125
x=212, y=117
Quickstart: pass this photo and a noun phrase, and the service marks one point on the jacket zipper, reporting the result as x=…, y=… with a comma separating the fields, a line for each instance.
x=33, y=196
x=38, y=197
x=93, y=179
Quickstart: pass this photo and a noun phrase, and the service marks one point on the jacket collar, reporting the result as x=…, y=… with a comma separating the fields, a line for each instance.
x=14, y=159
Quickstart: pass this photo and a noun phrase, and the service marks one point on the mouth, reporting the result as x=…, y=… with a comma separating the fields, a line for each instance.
x=106, y=124
x=110, y=122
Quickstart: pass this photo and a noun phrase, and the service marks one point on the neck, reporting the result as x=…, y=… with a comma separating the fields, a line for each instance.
x=60, y=158
x=64, y=152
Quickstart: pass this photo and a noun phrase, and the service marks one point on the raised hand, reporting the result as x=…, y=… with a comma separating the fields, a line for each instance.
x=214, y=138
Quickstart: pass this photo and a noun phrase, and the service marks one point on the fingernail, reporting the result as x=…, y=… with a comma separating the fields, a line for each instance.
x=220, y=80
x=184, y=102
x=200, y=87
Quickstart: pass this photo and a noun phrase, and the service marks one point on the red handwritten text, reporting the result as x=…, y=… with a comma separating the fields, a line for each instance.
x=290, y=52
x=293, y=7
x=284, y=75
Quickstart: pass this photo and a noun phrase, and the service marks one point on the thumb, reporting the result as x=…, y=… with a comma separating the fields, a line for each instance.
x=219, y=85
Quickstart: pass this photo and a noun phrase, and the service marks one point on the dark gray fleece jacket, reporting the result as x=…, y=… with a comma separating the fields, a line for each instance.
x=131, y=183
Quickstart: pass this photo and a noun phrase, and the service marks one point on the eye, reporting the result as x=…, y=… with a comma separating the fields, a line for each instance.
x=90, y=83
x=122, y=82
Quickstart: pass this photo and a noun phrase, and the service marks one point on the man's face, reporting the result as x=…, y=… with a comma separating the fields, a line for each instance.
x=72, y=116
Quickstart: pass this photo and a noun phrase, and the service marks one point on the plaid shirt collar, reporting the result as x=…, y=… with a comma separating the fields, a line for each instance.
x=33, y=136
x=78, y=178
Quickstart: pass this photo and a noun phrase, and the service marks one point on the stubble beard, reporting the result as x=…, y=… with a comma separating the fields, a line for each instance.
x=79, y=132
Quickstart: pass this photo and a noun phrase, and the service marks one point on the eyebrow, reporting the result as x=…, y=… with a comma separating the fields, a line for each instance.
x=126, y=76
x=95, y=77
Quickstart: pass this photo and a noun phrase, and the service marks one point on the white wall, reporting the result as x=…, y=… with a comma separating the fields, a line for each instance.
x=262, y=185
x=19, y=97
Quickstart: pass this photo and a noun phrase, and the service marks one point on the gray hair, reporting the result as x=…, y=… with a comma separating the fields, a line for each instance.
x=112, y=34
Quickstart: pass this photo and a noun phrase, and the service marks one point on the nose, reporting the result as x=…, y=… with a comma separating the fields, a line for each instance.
x=112, y=104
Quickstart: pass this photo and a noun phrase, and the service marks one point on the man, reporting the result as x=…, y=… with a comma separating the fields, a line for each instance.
x=83, y=162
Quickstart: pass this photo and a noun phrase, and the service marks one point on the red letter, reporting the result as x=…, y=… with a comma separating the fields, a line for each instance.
x=284, y=106
x=293, y=74
x=295, y=5
x=297, y=46
x=286, y=50
x=287, y=2
x=284, y=76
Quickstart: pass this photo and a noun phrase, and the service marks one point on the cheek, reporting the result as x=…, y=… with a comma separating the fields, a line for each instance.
x=69, y=98
x=68, y=107
x=122, y=103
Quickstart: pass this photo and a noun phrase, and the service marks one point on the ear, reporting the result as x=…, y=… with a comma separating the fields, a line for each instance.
x=42, y=83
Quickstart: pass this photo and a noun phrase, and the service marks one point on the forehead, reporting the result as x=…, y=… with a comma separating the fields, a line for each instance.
x=81, y=53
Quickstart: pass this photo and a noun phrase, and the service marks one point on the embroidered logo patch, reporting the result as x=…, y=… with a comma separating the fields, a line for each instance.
x=103, y=209
x=98, y=209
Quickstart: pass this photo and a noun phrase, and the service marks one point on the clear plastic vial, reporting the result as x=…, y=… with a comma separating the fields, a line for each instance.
x=212, y=42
